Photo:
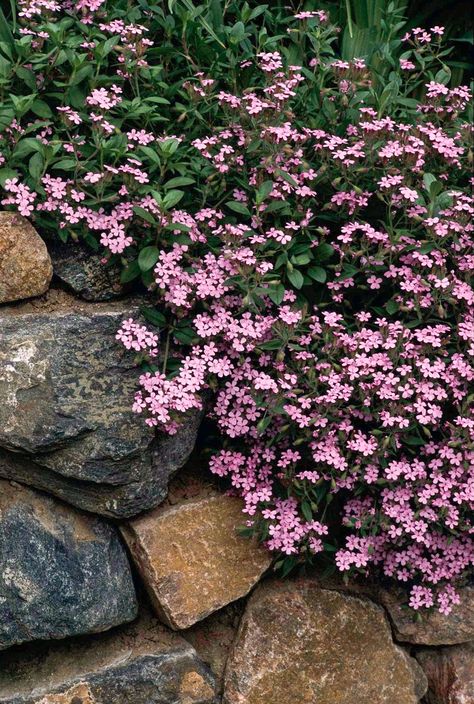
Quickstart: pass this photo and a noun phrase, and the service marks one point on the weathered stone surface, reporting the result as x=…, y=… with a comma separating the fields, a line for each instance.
x=431, y=628
x=62, y=572
x=450, y=673
x=140, y=664
x=66, y=423
x=299, y=644
x=25, y=265
x=213, y=637
x=82, y=270
x=192, y=559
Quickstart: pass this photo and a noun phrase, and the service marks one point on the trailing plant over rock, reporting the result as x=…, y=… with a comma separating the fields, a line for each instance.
x=316, y=276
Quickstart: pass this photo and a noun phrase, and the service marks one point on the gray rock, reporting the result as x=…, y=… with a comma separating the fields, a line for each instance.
x=66, y=423
x=82, y=270
x=140, y=664
x=62, y=572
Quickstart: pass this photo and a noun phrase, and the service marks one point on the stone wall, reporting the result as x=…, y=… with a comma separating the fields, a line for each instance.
x=123, y=579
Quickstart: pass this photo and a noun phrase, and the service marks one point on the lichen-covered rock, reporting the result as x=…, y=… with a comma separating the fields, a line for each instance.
x=66, y=423
x=433, y=627
x=83, y=271
x=192, y=559
x=140, y=664
x=299, y=644
x=25, y=265
x=450, y=674
x=62, y=572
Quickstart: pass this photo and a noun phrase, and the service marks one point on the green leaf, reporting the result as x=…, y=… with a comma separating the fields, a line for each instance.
x=275, y=205
x=413, y=440
x=237, y=33
x=289, y=563
x=26, y=146
x=301, y=259
x=286, y=177
x=348, y=272
x=153, y=316
x=151, y=154
x=186, y=335
x=65, y=164
x=432, y=186
x=105, y=48
x=130, y=273
x=408, y=103
x=317, y=273
x=296, y=278
x=264, y=190
x=263, y=423
x=169, y=146
x=35, y=166
x=238, y=207
x=6, y=35
x=276, y=294
x=271, y=345
x=148, y=257
x=6, y=174
x=306, y=510
x=323, y=252
x=158, y=100
x=391, y=307
x=42, y=109
x=144, y=214
x=178, y=226
x=27, y=76
x=78, y=76
x=172, y=198
x=178, y=181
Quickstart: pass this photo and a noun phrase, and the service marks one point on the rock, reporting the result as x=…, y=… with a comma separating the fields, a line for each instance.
x=25, y=265
x=299, y=644
x=191, y=558
x=82, y=270
x=213, y=637
x=431, y=628
x=450, y=673
x=140, y=664
x=62, y=572
x=66, y=423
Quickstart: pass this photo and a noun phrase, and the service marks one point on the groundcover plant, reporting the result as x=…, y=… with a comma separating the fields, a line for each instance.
x=302, y=223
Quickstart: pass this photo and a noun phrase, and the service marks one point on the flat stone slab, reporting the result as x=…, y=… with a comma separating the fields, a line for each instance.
x=191, y=558
x=299, y=644
x=142, y=663
x=66, y=423
x=25, y=265
x=62, y=572
x=431, y=627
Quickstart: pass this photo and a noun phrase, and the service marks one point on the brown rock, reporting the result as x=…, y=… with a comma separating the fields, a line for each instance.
x=25, y=265
x=450, y=673
x=79, y=694
x=213, y=637
x=299, y=644
x=143, y=663
x=192, y=559
x=431, y=628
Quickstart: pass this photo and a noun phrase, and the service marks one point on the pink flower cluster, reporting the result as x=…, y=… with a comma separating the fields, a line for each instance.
x=323, y=277
x=376, y=407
